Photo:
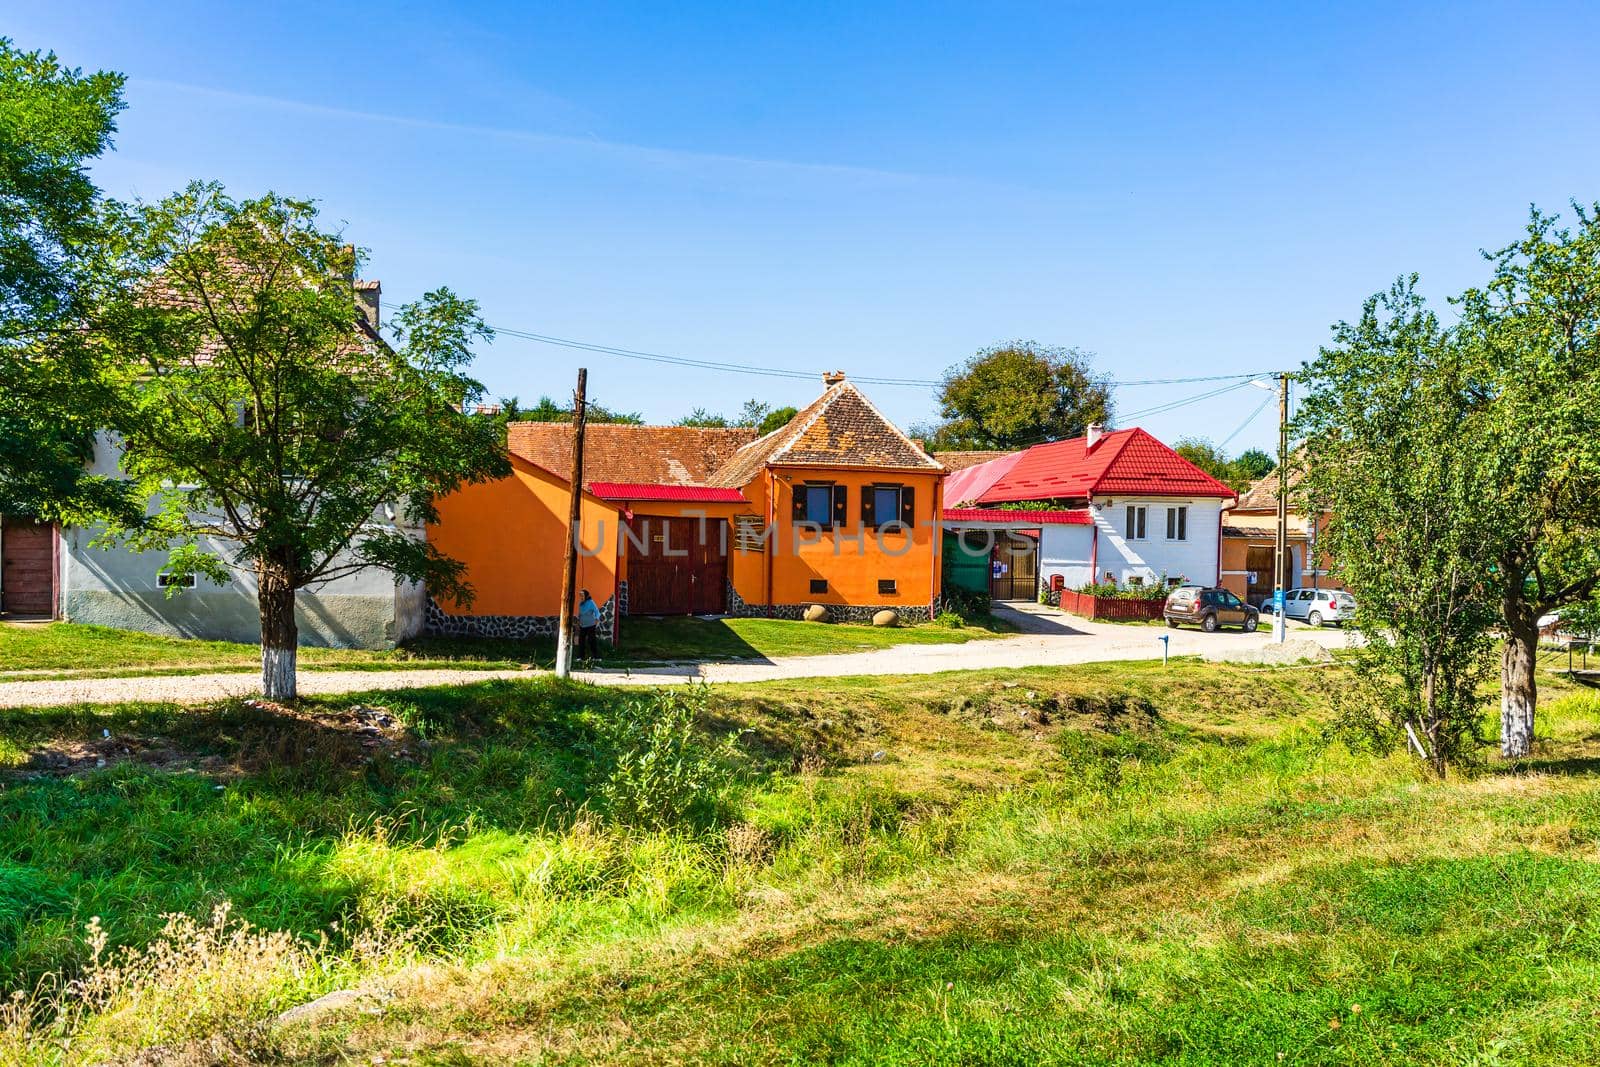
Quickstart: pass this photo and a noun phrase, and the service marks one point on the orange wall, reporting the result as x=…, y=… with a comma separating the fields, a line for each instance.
x=849, y=558
x=511, y=532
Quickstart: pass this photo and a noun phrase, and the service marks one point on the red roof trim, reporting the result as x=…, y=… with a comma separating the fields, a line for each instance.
x=700, y=494
x=1019, y=515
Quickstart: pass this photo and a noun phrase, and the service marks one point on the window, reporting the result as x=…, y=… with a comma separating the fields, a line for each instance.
x=1178, y=524
x=886, y=587
x=1305, y=594
x=819, y=503
x=885, y=504
x=1136, y=517
x=1135, y=580
x=819, y=585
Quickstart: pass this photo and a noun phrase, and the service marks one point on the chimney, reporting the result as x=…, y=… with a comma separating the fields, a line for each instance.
x=367, y=294
x=832, y=377
x=1095, y=432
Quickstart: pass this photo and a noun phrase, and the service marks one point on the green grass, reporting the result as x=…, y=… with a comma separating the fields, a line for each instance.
x=1113, y=863
x=75, y=650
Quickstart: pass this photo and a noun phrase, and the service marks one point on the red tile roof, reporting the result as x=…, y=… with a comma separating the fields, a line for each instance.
x=1123, y=463
x=1063, y=517
x=840, y=428
x=703, y=494
x=630, y=455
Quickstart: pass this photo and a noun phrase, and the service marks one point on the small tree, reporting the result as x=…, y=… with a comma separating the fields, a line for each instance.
x=1020, y=394
x=53, y=120
x=704, y=418
x=1387, y=406
x=261, y=410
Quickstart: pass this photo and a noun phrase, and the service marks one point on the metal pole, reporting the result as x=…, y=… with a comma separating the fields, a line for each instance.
x=569, y=575
x=1280, y=625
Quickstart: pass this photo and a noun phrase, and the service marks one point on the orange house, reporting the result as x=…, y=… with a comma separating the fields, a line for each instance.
x=1249, y=537
x=837, y=507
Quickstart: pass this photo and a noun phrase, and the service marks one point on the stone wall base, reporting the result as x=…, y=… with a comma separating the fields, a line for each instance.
x=910, y=614
x=440, y=623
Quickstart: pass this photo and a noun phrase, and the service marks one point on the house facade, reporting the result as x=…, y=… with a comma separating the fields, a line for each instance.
x=1113, y=505
x=1249, y=539
x=837, y=508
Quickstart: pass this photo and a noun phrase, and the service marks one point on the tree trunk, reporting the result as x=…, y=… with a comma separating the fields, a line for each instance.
x=1519, y=686
x=280, y=637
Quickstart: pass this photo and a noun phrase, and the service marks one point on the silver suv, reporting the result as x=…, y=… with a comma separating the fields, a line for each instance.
x=1316, y=606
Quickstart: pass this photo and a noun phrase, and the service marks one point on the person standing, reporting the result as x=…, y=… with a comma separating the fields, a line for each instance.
x=588, y=623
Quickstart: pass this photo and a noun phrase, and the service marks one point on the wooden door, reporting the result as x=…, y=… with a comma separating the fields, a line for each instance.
x=1258, y=561
x=27, y=568
x=676, y=566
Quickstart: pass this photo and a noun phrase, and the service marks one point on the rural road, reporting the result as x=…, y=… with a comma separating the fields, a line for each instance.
x=1049, y=638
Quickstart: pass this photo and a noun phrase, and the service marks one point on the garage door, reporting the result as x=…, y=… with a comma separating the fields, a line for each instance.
x=27, y=568
x=676, y=566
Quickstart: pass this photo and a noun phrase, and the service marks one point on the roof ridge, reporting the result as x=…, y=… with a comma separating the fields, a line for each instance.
x=820, y=404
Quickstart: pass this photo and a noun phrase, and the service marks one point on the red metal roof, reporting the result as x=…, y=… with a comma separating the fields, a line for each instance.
x=1019, y=515
x=1123, y=462
x=699, y=494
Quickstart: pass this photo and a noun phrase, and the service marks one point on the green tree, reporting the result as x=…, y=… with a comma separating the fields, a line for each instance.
x=1535, y=332
x=53, y=120
x=262, y=412
x=1386, y=410
x=547, y=410
x=1205, y=455
x=1020, y=394
x=776, y=419
x=763, y=417
x=703, y=417
x=1252, y=465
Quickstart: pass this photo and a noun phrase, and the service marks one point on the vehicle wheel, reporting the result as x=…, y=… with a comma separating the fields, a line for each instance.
x=1209, y=624
x=1315, y=618
x=1172, y=623
x=1250, y=623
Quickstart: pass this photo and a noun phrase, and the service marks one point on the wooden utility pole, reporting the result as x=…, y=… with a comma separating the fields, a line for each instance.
x=1280, y=622
x=569, y=575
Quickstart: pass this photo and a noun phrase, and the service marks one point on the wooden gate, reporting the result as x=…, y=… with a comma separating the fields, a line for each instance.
x=27, y=568
x=676, y=566
x=1014, y=567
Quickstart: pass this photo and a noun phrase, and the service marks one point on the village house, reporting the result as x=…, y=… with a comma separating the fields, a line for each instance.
x=51, y=572
x=837, y=507
x=1111, y=506
x=1249, y=537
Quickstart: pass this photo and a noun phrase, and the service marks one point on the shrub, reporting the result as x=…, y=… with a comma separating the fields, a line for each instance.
x=658, y=770
x=1156, y=590
x=950, y=620
x=963, y=602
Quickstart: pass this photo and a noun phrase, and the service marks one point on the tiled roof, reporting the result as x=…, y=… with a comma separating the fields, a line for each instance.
x=960, y=461
x=632, y=455
x=702, y=494
x=1123, y=462
x=840, y=428
x=1263, y=494
x=1078, y=517
x=972, y=482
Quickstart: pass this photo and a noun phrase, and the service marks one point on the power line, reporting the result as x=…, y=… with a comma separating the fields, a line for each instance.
x=1248, y=419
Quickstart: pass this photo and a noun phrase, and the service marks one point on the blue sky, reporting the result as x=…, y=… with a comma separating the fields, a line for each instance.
x=1184, y=190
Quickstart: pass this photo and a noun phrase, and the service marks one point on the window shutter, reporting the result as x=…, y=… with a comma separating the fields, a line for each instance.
x=908, y=507
x=869, y=507
x=799, y=494
x=840, y=503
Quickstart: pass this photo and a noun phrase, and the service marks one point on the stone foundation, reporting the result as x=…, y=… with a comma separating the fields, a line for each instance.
x=910, y=614
x=440, y=623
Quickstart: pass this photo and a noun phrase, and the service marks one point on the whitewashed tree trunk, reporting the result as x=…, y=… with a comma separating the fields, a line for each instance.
x=280, y=636
x=1519, y=685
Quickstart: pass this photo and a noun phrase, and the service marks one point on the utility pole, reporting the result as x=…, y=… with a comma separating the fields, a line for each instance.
x=1280, y=620
x=569, y=575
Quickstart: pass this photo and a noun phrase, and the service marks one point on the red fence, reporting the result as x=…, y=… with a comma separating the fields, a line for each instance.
x=1105, y=607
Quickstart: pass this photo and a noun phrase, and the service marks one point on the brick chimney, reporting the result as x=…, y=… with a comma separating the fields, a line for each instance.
x=832, y=377
x=1093, y=436
x=367, y=301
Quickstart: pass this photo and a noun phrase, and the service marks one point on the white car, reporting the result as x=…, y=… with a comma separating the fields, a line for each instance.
x=1316, y=606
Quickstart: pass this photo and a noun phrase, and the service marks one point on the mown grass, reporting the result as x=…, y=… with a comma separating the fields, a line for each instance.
x=77, y=650
x=1107, y=863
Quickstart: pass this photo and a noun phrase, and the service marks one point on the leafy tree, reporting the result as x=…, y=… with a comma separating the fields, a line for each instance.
x=776, y=419
x=547, y=410
x=262, y=412
x=1020, y=394
x=1535, y=332
x=1387, y=406
x=53, y=120
x=1252, y=465
x=702, y=417
x=1238, y=473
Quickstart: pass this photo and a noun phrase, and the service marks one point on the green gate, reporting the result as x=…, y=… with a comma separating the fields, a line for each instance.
x=966, y=561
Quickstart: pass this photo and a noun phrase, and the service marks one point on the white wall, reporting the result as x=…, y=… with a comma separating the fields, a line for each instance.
x=1064, y=550
x=1193, y=559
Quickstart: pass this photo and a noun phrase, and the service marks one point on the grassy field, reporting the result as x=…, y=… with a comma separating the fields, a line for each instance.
x=72, y=650
x=1114, y=863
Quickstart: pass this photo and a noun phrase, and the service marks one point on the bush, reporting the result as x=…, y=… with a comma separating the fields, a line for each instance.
x=965, y=603
x=1156, y=590
x=951, y=620
x=658, y=770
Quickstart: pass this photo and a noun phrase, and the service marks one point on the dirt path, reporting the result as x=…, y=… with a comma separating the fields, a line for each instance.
x=1049, y=638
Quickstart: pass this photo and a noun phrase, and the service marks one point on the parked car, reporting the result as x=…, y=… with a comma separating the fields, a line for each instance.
x=1209, y=609
x=1316, y=606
